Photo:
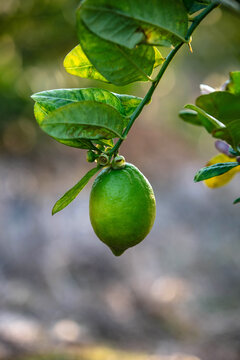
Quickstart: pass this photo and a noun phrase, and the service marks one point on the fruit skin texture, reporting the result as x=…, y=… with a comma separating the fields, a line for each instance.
x=122, y=207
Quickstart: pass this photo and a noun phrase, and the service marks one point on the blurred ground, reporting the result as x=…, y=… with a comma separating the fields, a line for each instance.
x=177, y=292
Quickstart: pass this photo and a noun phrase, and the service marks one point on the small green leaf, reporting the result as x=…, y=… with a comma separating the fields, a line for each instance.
x=121, y=66
x=214, y=170
x=208, y=121
x=234, y=85
x=84, y=120
x=237, y=201
x=222, y=105
x=190, y=116
x=131, y=22
x=77, y=63
x=215, y=127
x=71, y=194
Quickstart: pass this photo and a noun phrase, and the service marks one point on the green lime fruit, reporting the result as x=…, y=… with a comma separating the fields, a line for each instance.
x=122, y=207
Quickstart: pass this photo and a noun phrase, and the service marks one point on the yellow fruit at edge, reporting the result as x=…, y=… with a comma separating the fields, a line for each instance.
x=122, y=207
x=223, y=179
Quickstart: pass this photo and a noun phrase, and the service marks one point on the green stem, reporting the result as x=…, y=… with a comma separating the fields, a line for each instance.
x=155, y=83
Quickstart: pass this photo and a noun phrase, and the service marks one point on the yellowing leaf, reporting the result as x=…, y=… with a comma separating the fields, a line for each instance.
x=77, y=63
x=223, y=179
x=158, y=57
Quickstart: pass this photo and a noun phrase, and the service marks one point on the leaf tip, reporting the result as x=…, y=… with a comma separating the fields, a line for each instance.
x=237, y=201
x=55, y=210
x=196, y=178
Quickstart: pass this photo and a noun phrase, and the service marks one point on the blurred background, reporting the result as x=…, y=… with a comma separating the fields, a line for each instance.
x=177, y=294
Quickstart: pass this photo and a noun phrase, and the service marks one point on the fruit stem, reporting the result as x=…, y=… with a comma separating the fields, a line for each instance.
x=155, y=83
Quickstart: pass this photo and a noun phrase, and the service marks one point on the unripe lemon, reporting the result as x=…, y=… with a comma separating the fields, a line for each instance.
x=122, y=207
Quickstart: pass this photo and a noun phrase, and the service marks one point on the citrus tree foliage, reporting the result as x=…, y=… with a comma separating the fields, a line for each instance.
x=118, y=44
x=219, y=113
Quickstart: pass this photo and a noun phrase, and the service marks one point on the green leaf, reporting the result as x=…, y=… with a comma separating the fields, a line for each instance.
x=208, y=121
x=159, y=59
x=214, y=170
x=129, y=102
x=190, y=116
x=71, y=194
x=84, y=120
x=117, y=64
x=131, y=22
x=215, y=127
x=54, y=99
x=76, y=63
x=79, y=144
x=51, y=100
x=40, y=114
x=222, y=105
x=234, y=84
x=237, y=201
x=48, y=101
x=234, y=130
x=195, y=5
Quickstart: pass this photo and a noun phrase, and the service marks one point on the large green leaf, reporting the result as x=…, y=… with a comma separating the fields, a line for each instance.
x=40, y=114
x=131, y=22
x=48, y=101
x=222, y=105
x=71, y=194
x=77, y=63
x=234, y=84
x=51, y=100
x=117, y=64
x=214, y=170
x=195, y=5
x=84, y=120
